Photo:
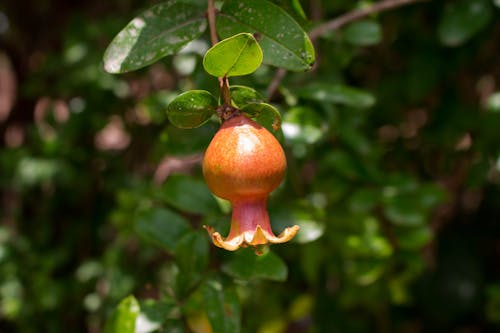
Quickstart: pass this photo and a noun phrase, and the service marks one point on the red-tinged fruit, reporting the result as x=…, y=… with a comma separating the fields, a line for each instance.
x=244, y=163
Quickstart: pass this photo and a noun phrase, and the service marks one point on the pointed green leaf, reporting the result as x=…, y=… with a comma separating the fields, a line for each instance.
x=124, y=317
x=363, y=33
x=246, y=265
x=233, y=56
x=461, y=20
x=242, y=95
x=284, y=42
x=337, y=93
x=159, y=31
x=265, y=114
x=162, y=227
x=191, y=109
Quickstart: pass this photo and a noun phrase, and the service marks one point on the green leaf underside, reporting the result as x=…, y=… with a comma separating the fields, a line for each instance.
x=265, y=114
x=284, y=42
x=337, y=93
x=242, y=95
x=124, y=317
x=159, y=31
x=461, y=20
x=162, y=227
x=191, y=109
x=233, y=56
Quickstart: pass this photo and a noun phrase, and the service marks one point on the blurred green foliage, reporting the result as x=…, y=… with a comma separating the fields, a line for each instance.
x=393, y=148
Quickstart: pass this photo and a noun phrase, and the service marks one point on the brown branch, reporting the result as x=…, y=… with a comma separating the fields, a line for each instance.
x=211, y=22
x=335, y=24
x=357, y=14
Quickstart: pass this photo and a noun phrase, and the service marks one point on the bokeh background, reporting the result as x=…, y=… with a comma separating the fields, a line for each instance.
x=393, y=146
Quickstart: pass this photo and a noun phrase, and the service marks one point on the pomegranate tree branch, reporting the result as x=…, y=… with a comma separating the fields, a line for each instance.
x=335, y=24
x=357, y=14
x=211, y=22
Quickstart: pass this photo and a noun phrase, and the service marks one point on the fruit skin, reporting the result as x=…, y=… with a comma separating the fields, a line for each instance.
x=243, y=164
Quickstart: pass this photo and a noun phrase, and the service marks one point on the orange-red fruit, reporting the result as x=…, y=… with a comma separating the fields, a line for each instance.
x=243, y=164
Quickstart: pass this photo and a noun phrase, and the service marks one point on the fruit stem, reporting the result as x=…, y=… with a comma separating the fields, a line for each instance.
x=226, y=93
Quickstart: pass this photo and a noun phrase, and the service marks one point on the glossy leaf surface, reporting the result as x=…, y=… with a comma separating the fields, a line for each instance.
x=284, y=42
x=233, y=56
x=191, y=109
x=154, y=34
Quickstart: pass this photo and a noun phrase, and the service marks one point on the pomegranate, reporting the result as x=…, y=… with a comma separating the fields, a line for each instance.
x=243, y=164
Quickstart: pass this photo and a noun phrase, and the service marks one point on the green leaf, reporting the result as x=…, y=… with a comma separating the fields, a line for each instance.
x=124, y=316
x=265, y=114
x=404, y=210
x=189, y=194
x=233, y=56
x=191, y=254
x=363, y=33
x=159, y=31
x=222, y=306
x=284, y=42
x=301, y=214
x=154, y=314
x=246, y=265
x=191, y=109
x=413, y=238
x=339, y=94
x=363, y=200
x=162, y=227
x=303, y=125
x=462, y=19
x=242, y=95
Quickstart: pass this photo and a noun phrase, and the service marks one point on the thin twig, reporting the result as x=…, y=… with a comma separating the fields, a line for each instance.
x=211, y=22
x=357, y=14
x=335, y=24
x=275, y=82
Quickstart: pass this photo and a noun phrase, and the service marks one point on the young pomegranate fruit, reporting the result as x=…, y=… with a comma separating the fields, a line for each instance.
x=243, y=164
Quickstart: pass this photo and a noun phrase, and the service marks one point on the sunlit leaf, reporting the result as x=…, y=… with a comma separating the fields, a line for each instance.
x=124, y=317
x=284, y=42
x=154, y=34
x=191, y=109
x=233, y=56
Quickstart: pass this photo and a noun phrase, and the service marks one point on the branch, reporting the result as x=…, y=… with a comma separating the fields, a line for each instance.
x=211, y=22
x=357, y=14
x=335, y=24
